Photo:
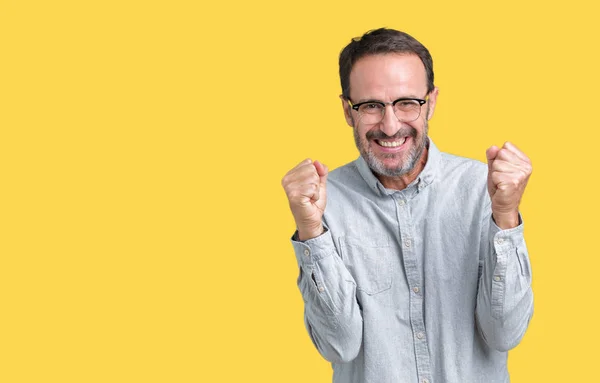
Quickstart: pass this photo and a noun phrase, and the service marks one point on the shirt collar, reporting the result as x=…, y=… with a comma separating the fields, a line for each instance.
x=424, y=179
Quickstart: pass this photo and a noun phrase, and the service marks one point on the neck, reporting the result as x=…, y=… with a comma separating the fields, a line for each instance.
x=401, y=182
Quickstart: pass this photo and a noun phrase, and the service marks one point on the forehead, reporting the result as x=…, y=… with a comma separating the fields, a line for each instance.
x=387, y=77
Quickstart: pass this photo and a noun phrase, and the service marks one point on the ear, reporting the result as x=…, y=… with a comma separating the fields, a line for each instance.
x=432, y=101
x=347, y=111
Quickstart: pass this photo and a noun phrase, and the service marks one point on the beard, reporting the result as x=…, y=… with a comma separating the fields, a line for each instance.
x=404, y=167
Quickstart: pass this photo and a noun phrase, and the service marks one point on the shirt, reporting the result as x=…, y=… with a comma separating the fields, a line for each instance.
x=417, y=285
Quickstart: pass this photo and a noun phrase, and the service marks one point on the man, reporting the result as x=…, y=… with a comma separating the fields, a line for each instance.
x=417, y=270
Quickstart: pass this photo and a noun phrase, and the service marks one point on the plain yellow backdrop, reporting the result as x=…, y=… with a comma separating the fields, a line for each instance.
x=144, y=233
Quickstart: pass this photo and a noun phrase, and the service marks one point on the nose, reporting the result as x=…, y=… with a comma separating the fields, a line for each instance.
x=389, y=123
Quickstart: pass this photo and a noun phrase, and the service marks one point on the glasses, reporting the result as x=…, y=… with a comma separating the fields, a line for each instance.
x=405, y=109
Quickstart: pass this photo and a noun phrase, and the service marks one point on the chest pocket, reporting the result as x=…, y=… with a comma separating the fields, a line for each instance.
x=369, y=262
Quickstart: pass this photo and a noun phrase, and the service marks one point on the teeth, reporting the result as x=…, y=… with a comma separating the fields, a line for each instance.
x=392, y=144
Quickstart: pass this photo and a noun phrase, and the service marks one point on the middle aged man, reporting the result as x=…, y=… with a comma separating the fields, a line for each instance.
x=417, y=269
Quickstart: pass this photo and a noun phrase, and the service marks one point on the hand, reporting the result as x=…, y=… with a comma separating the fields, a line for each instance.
x=306, y=189
x=509, y=171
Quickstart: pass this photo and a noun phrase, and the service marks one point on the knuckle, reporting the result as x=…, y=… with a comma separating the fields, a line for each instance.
x=295, y=194
x=524, y=173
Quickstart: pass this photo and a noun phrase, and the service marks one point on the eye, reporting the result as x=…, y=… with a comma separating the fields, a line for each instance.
x=370, y=107
x=407, y=104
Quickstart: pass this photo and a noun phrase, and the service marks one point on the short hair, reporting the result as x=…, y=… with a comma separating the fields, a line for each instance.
x=381, y=41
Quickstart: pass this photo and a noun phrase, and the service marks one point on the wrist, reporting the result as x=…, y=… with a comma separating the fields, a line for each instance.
x=507, y=220
x=310, y=233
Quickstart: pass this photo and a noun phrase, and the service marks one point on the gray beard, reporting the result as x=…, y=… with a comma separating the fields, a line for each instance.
x=407, y=166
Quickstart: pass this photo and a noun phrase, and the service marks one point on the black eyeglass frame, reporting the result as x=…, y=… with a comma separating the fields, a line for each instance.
x=392, y=103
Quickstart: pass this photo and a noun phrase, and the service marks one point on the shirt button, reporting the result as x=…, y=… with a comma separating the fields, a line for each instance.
x=420, y=335
x=401, y=202
x=321, y=289
x=306, y=252
x=500, y=241
x=425, y=380
x=416, y=289
x=497, y=278
x=407, y=243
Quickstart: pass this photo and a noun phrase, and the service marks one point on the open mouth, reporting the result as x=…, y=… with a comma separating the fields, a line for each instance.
x=391, y=143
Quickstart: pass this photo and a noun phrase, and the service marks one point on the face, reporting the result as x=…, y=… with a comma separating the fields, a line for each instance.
x=390, y=147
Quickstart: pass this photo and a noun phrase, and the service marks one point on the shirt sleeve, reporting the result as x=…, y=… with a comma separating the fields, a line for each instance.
x=331, y=312
x=504, y=298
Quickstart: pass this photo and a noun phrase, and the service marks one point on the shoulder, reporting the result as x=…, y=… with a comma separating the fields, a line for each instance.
x=465, y=169
x=462, y=178
x=348, y=180
x=344, y=173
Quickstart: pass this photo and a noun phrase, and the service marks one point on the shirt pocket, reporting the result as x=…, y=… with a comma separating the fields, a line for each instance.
x=369, y=262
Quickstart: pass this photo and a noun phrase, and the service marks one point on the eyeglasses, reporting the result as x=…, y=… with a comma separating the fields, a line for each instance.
x=405, y=109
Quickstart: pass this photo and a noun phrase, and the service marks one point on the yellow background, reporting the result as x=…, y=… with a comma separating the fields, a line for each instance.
x=144, y=233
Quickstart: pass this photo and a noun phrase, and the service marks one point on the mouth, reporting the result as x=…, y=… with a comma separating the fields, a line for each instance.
x=391, y=144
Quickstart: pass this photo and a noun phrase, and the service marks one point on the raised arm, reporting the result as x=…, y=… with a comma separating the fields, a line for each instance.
x=332, y=314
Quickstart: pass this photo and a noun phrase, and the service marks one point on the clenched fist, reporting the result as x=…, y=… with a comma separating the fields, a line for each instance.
x=508, y=172
x=306, y=189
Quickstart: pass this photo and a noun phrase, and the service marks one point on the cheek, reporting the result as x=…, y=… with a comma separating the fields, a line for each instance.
x=362, y=133
x=419, y=126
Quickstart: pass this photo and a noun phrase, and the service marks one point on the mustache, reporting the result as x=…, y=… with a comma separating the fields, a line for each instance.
x=404, y=132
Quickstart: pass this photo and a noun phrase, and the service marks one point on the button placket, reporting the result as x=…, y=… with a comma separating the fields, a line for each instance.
x=414, y=279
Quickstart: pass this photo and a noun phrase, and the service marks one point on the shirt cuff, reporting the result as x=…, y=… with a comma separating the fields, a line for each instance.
x=312, y=250
x=505, y=241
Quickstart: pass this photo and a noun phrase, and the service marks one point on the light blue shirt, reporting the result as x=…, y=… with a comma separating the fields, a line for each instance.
x=417, y=285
